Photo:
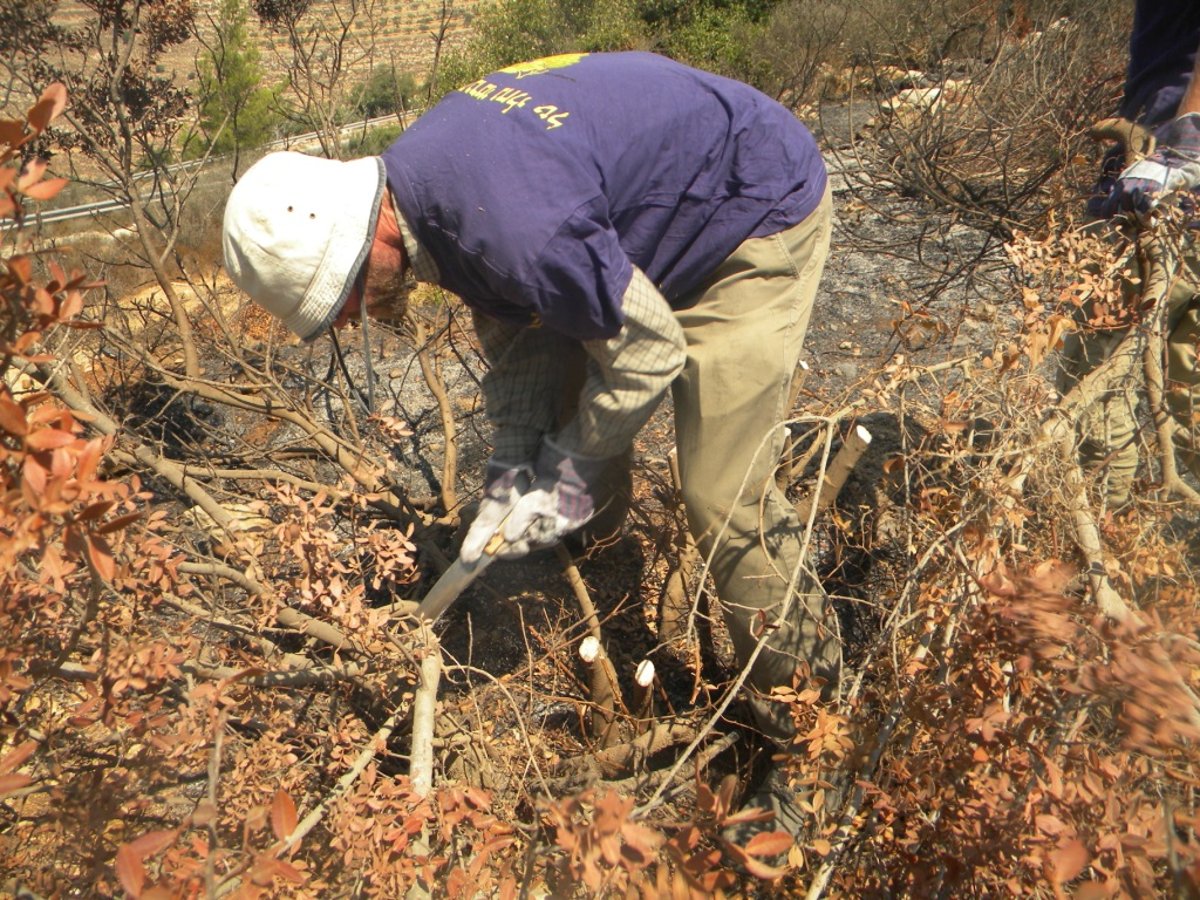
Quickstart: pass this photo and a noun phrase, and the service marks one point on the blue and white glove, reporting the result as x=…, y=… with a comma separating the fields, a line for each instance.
x=1174, y=166
x=503, y=485
x=561, y=499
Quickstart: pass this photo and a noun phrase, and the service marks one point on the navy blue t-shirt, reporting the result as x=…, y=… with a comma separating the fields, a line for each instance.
x=537, y=187
x=1162, y=51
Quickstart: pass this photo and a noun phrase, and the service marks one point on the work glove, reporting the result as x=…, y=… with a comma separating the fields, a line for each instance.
x=503, y=485
x=1173, y=166
x=561, y=499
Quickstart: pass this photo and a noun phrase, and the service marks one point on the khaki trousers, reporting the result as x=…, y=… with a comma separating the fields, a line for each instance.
x=745, y=327
x=1108, y=430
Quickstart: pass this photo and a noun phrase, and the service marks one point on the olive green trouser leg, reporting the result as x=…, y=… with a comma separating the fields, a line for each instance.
x=744, y=333
x=1108, y=430
x=1183, y=381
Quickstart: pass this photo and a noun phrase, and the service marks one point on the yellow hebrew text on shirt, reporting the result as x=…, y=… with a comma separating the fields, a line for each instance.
x=510, y=97
x=480, y=89
x=545, y=64
x=551, y=115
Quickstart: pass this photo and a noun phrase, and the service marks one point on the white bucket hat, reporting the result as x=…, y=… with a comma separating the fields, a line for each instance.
x=297, y=231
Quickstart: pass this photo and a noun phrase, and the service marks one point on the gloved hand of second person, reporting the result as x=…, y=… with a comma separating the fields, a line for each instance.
x=1173, y=166
x=503, y=485
x=561, y=499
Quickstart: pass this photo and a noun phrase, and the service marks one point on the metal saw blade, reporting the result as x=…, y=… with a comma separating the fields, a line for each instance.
x=449, y=586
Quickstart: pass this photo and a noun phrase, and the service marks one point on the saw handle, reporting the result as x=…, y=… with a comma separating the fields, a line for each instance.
x=495, y=542
x=1135, y=141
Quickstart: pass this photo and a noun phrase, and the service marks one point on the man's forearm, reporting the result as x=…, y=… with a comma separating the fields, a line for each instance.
x=627, y=375
x=523, y=386
x=626, y=378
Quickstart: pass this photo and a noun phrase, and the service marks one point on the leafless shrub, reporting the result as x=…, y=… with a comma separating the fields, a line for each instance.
x=989, y=136
x=798, y=50
x=321, y=47
x=1000, y=730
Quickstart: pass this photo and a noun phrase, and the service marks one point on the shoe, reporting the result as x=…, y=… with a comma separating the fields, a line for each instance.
x=776, y=797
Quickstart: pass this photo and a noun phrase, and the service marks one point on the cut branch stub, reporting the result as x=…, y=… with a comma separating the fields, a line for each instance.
x=839, y=470
x=602, y=680
x=644, y=678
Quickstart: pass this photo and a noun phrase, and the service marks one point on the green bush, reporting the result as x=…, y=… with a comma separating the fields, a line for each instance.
x=719, y=39
x=373, y=142
x=798, y=48
x=717, y=35
x=386, y=91
x=792, y=49
x=236, y=112
x=512, y=31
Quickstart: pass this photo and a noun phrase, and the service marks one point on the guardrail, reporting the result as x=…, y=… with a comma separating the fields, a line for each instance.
x=101, y=207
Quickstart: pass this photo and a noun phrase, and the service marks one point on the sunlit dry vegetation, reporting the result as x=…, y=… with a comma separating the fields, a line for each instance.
x=211, y=681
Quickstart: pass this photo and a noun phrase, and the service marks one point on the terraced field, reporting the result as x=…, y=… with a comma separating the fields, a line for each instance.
x=383, y=32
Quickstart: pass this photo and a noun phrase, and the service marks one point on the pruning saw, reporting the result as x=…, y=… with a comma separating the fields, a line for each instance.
x=454, y=581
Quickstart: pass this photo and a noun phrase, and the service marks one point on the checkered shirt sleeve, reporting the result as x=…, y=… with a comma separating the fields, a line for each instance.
x=522, y=387
x=627, y=375
x=626, y=378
